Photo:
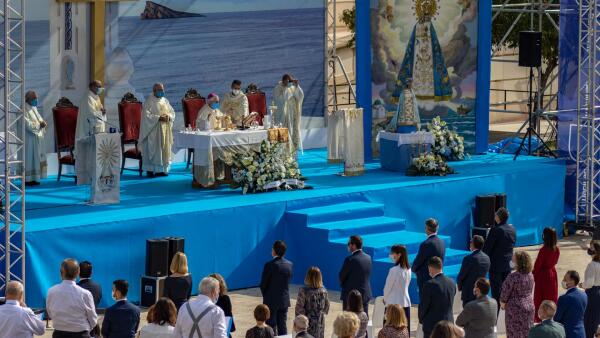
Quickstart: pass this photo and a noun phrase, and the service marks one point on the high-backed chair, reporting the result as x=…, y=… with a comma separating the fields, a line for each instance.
x=130, y=118
x=257, y=102
x=192, y=102
x=65, y=124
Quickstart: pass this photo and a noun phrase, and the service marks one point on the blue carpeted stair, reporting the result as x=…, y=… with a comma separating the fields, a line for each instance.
x=329, y=226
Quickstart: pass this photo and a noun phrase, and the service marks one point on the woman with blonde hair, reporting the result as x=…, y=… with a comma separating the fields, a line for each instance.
x=313, y=302
x=224, y=302
x=346, y=325
x=396, y=325
x=178, y=286
x=516, y=297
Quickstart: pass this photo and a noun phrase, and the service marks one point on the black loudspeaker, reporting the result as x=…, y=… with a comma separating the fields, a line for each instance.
x=151, y=289
x=530, y=49
x=500, y=201
x=485, y=210
x=176, y=244
x=157, y=254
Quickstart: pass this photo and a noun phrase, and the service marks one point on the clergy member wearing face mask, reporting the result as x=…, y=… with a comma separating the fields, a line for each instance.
x=235, y=103
x=289, y=97
x=571, y=306
x=35, y=130
x=156, y=133
x=200, y=317
x=122, y=319
x=206, y=175
x=479, y=316
x=92, y=116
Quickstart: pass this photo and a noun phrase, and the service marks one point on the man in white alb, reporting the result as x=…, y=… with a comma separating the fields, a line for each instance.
x=16, y=319
x=156, y=133
x=289, y=97
x=91, y=118
x=235, y=103
x=70, y=306
x=35, y=156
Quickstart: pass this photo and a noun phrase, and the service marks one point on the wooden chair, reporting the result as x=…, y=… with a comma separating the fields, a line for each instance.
x=65, y=124
x=192, y=102
x=130, y=119
x=257, y=102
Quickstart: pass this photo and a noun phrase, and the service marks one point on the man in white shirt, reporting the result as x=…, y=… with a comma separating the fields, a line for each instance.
x=200, y=317
x=16, y=319
x=70, y=307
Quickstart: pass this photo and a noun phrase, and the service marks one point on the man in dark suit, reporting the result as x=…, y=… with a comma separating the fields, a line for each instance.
x=479, y=316
x=301, y=327
x=275, y=288
x=433, y=246
x=123, y=318
x=356, y=273
x=571, y=306
x=474, y=266
x=437, y=297
x=499, y=246
x=85, y=281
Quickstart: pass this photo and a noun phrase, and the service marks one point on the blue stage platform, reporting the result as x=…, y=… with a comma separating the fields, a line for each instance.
x=231, y=233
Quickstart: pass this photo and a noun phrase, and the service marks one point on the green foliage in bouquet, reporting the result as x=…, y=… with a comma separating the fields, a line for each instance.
x=429, y=165
x=448, y=144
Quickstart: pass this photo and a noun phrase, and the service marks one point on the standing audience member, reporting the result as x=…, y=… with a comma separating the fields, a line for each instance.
x=275, y=288
x=499, y=246
x=433, y=246
x=544, y=271
x=161, y=318
x=123, y=318
x=178, y=286
x=395, y=290
x=86, y=282
x=479, y=316
x=474, y=266
x=445, y=329
x=200, y=317
x=301, y=327
x=548, y=328
x=224, y=302
x=71, y=307
x=261, y=330
x=354, y=304
x=396, y=324
x=517, y=297
x=346, y=325
x=571, y=306
x=591, y=284
x=313, y=302
x=16, y=319
x=356, y=273
x=437, y=298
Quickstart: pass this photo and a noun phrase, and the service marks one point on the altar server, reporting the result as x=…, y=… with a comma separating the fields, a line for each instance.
x=35, y=156
x=92, y=115
x=289, y=98
x=235, y=103
x=156, y=133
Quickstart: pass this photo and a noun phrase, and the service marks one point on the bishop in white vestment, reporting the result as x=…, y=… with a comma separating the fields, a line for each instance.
x=289, y=97
x=92, y=116
x=156, y=133
x=235, y=103
x=35, y=156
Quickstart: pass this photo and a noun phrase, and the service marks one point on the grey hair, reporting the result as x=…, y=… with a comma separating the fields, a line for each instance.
x=301, y=322
x=208, y=286
x=14, y=289
x=29, y=94
x=157, y=85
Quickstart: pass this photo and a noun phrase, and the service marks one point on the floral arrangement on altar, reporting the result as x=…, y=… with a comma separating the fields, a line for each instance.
x=270, y=168
x=429, y=165
x=448, y=144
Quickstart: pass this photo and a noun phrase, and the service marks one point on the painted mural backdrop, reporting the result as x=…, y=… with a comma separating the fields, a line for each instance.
x=434, y=44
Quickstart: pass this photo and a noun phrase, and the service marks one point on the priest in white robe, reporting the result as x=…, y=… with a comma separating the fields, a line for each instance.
x=235, y=103
x=156, y=133
x=209, y=117
x=206, y=170
x=289, y=97
x=91, y=118
x=35, y=156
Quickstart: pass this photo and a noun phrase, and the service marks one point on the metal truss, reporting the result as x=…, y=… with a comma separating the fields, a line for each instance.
x=333, y=63
x=12, y=150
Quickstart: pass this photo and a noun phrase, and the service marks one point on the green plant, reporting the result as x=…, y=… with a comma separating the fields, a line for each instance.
x=348, y=17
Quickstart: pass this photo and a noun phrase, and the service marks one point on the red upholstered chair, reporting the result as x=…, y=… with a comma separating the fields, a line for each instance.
x=257, y=102
x=65, y=123
x=130, y=118
x=192, y=102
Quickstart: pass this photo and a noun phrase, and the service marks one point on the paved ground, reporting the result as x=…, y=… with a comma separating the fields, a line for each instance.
x=573, y=256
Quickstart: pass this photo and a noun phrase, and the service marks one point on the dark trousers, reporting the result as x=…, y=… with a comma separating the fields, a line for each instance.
x=65, y=334
x=591, y=319
x=278, y=321
x=407, y=313
x=496, y=280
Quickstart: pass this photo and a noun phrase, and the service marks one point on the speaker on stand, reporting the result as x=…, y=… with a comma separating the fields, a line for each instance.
x=485, y=210
x=157, y=254
x=176, y=244
x=500, y=201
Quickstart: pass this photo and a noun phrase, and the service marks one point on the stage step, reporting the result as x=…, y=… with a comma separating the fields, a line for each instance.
x=452, y=257
x=335, y=212
x=341, y=230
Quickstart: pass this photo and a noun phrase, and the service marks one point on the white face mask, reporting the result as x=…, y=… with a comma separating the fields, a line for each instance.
x=392, y=258
x=475, y=293
x=564, y=284
x=235, y=92
x=512, y=265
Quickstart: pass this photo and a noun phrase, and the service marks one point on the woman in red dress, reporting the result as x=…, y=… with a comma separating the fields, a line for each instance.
x=544, y=271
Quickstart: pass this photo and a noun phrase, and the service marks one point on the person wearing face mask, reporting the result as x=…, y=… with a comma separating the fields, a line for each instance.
x=91, y=118
x=433, y=246
x=35, y=130
x=201, y=317
x=437, y=297
x=235, y=103
x=288, y=96
x=206, y=176
x=122, y=319
x=571, y=306
x=395, y=290
x=356, y=273
x=516, y=297
x=591, y=284
x=474, y=266
x=479, y=316
x=156, y=133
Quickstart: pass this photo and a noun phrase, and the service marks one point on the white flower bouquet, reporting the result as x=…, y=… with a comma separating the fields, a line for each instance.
x=448, y=144
x=429, y=165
